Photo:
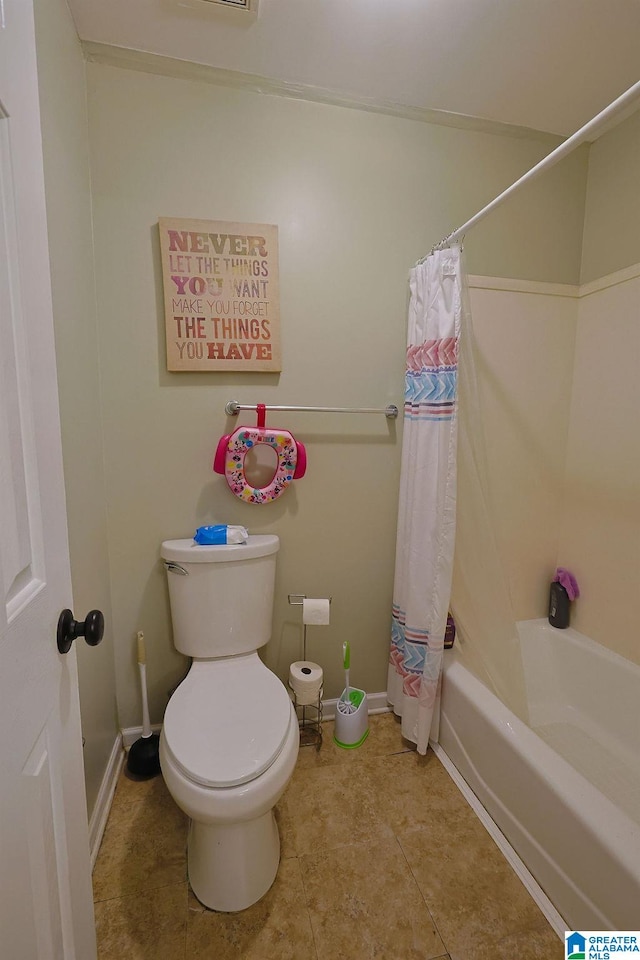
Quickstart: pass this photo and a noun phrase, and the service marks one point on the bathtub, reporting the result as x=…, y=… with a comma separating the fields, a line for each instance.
x=565, y=791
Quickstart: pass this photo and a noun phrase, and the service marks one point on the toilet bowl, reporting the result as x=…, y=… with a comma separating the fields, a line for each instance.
x=230, y=738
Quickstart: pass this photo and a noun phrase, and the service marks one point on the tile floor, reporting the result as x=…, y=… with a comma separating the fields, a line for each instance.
x=382, y=858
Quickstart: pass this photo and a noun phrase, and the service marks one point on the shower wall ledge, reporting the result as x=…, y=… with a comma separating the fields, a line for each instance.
x=543, y=288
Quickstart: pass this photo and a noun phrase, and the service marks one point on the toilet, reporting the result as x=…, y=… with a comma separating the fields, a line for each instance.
x=230, y=738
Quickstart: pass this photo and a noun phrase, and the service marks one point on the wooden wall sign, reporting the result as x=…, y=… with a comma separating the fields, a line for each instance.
x=221, y=295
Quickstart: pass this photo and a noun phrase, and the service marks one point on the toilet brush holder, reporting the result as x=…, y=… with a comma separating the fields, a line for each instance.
x=352, y=719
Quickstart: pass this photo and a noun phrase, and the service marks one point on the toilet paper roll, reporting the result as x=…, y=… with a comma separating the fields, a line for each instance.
x=315, y=611
x=305, y=679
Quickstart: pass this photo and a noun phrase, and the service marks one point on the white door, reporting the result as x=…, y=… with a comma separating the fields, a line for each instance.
x=46, y=906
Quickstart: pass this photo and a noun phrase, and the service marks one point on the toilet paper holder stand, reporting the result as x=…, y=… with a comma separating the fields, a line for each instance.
x=309, y=714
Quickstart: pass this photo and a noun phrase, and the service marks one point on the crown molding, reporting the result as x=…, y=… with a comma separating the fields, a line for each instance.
x=146, y=62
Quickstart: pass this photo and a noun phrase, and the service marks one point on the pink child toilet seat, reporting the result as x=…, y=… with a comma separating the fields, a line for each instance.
x=233, y=448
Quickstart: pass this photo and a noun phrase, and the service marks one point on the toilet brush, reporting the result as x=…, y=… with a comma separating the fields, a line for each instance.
x=351, y=726
x=344, y=704
x=144, y=755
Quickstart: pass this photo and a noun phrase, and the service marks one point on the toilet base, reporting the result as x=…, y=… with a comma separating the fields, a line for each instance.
x=231, y=866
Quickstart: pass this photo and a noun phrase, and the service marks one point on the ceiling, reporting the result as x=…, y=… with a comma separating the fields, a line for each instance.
x=546, y=64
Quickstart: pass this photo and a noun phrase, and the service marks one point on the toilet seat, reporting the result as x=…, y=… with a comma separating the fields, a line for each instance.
x=227, y=721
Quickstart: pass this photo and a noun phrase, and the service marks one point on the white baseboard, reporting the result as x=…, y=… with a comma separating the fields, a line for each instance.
x=100, y=814
x=537, y=893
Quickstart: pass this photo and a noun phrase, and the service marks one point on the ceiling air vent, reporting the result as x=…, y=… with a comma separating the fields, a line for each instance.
x=251, y=6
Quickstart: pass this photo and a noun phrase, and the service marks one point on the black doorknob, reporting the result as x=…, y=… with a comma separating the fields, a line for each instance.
x=91, y=628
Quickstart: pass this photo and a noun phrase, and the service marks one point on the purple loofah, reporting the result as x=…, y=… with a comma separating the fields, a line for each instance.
x=568, y=581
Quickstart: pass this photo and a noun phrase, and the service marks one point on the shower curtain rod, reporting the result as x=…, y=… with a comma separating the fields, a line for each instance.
x=545, y=164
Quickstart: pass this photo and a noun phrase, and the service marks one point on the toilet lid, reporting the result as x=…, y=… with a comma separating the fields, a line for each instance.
x=227, y=721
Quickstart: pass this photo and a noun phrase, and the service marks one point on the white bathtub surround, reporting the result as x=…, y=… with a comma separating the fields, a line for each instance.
x=426, y=510
x=564, y=463
x=566, y=791
x=480, y=597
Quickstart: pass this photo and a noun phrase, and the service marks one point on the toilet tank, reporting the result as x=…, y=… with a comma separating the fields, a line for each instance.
x=221, y=596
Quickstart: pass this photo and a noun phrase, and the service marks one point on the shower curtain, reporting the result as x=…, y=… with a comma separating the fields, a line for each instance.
x=427, y=504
